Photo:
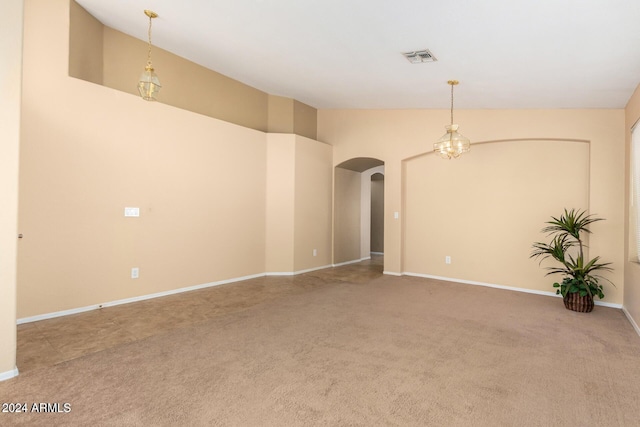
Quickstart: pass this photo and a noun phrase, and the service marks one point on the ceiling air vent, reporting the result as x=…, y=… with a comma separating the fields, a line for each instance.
x=420, y=56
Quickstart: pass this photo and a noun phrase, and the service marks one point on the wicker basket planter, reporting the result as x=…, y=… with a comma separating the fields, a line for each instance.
x=575, y=302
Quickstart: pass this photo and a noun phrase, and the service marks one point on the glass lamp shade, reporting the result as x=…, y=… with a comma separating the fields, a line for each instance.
x=452, y=144
x=149, y=84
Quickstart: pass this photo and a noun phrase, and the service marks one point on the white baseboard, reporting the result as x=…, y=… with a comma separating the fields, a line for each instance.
x=45, y=316
x=280, y=273
x=9, y=374
x=308, y=270
x=157, y=295
x=354, y=261
x=391, y=273
x=293, y=273
x=377, y=253
x=509, y=288
x=607, y=304
x=631, y=320
x=133, y=299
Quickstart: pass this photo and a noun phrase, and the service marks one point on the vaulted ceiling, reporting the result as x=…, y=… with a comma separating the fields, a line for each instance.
x=347, y=53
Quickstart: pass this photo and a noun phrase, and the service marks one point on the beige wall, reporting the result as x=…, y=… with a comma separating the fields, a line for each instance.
x=280, y=183
x=85, y=45
x=298, y=217
x=214, y=197
x=88, y=151
x=184, y=84
x=632, y=268
x=486, y=209
x=280, y=114
x=10, y=85
x=286, y=115
x=305, y=120
x=346, y=216
x=313, y=181
x=396, y=135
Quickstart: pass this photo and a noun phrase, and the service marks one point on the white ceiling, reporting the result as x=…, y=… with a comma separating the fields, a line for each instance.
x=347, y=53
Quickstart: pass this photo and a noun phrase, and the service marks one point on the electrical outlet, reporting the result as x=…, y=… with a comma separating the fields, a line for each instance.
x=131, y=211
x=315, y=252
x=135, y=272
x=447, y=259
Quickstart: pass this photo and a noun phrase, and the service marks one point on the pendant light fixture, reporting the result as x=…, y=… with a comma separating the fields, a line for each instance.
x=149, y=84
x=452, y=144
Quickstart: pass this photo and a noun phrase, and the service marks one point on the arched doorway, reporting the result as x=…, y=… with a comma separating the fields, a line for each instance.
x=353, y=209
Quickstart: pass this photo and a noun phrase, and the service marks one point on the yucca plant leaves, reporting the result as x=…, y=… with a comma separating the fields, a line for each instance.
x=566, y=234
x=572, y=222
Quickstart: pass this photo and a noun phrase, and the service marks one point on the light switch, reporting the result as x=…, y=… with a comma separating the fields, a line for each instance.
x=131, y=211
x=396, y=215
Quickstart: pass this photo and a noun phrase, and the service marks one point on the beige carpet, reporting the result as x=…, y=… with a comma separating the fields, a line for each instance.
x=393, y=351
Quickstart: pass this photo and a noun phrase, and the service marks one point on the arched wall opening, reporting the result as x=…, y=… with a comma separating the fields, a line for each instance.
x=352, y=208
x=474, y=219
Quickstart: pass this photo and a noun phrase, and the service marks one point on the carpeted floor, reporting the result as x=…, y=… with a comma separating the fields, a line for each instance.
x=396, y=351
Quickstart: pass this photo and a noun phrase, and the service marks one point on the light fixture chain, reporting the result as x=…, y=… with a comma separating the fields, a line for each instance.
x=452, y=105
x=149, y=34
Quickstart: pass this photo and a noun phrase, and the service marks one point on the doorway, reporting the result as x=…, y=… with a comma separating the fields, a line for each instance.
x=377, y=214
x=354, y=204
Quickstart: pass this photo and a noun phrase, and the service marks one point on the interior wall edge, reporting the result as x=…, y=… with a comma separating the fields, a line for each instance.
x=353, y=261
x=631, y=320
x=392, y=273
x=11, y=83
x=631, y=298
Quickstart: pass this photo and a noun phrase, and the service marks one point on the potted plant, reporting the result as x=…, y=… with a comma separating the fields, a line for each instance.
x=580, y=283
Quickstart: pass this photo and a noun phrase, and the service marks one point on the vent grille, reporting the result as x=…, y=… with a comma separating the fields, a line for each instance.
x=420, y=56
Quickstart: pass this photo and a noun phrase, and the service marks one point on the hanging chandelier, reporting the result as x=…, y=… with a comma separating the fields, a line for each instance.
x=452, y=144
x=149, y=84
